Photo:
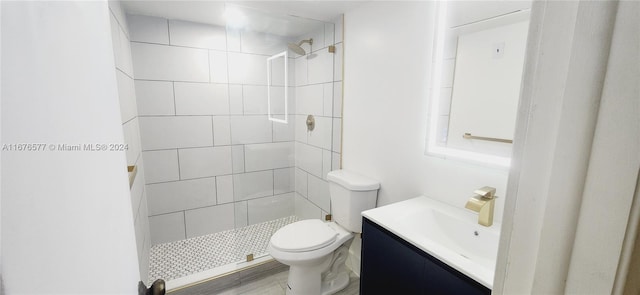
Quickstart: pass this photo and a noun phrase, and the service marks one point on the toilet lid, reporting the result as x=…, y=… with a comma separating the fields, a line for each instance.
x=305, y=235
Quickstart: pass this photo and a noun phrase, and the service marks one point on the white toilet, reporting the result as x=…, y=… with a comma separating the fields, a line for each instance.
x=316, y=250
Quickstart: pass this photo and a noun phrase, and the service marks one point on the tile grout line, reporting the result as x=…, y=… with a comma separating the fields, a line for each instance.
x=168, y=33
x=179, y=173
x=175, y=107
x=184, y=218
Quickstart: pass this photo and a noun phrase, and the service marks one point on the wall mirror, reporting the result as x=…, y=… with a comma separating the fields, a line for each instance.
x=479, y=52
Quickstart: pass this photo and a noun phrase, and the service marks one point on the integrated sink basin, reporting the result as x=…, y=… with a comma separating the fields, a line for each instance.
x=450, y=234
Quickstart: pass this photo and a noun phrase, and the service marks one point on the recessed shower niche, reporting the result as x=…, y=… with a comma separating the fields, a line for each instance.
x=222, y=104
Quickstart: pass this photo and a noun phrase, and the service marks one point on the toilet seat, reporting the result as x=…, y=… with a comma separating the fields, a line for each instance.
x=303, y=236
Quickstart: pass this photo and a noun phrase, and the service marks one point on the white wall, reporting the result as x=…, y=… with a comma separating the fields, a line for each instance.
x=67, y=220
x=130, y=123
x=386, y=73
x=387, y=68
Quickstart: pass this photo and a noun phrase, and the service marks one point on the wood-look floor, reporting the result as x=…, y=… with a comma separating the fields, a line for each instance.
x=275, y=285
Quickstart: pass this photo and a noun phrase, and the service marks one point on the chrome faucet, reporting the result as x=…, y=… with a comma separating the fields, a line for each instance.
x=483, y=203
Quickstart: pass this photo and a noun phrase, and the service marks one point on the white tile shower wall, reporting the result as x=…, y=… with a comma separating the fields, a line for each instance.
x=176, y=196
x=155, y=98
x=215, y=159
x=169, y=63
x=130, y=126
x=318, y=93
x=270, y=208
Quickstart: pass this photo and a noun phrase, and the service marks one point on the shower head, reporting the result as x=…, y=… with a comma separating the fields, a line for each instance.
x=297, y=48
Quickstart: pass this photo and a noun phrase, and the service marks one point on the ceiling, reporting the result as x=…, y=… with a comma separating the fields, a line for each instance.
x=285, y=18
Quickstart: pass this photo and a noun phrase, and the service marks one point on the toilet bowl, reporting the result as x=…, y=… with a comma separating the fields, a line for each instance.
x=315, y=250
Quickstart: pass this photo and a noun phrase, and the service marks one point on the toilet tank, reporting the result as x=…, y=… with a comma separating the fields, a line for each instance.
x=351, y=194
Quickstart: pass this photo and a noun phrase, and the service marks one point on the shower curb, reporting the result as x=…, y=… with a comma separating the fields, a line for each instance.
x=234, y=279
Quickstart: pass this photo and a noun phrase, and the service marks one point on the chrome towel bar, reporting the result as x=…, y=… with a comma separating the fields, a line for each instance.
x=469, y=136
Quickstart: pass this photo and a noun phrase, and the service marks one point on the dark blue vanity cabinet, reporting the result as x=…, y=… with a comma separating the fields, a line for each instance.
x=391, y=265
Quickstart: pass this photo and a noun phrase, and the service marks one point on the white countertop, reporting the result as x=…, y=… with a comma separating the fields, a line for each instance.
x=448, y=233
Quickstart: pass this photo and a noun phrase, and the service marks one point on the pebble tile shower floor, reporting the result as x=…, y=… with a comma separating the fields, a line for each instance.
x=185, y=257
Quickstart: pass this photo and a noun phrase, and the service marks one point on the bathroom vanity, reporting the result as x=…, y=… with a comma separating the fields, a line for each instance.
x=422, y=246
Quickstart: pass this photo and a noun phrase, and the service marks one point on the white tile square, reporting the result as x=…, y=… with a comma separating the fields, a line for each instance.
x=277, y=101
x=327, y=100
x=237, y=152
x=254, y=99
x=300, y=128
x=252, y=185
x=126, y=64
x=175, y=196
x=218, y=66
x=301, y=71
x=209, y=220
x=120, y=15
x=270, y=208
x=320, y=66
x=120, y=43
x=268, y=156
x=132, y=139
x=161, y=62
x=167, y=228
x=201, y=99
x=284, y=132
x=319, y=193
x=337, y=67
x=137, y=191
x=337, y=135
x=310, y=100
x=262, y=43
x=224, y=189
x=337, y=99
x=115, y=40
x=301, y=182
x=305, y=209
x=321, y=134
x=283, y=181
x=161, y=166
x=221, y=131
x=309, y=158
x=155, y=98
x=126, y=96
x=204, y=162
x=235, y=100
x=247, y=69
x=241, y=212
x=148, y=29
x=250, y=129
x=175, y=132
x=199, y=35
x=326, y=163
